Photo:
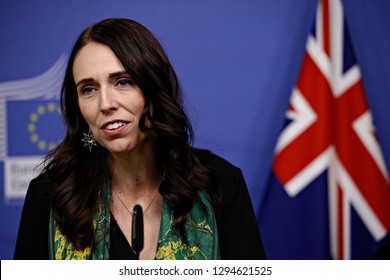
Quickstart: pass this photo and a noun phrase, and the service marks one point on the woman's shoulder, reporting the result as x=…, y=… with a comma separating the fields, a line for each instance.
x=217, y=163
x=40, y=191
x=227, y=176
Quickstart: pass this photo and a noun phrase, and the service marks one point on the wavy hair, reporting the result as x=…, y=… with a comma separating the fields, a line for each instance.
x=79, y=175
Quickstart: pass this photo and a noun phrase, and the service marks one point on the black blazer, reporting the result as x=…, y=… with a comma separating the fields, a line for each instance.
x=239, y=235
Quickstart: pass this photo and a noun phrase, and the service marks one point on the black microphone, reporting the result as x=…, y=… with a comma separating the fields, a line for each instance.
x=137, y=231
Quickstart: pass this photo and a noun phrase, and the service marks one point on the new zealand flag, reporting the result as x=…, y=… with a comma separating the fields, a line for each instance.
x=329, y=194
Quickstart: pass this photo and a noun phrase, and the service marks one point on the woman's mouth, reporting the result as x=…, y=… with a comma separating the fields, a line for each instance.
x=114, y=128
x=115, y=125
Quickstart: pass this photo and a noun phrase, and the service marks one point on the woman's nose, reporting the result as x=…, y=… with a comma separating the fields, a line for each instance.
x=108, y=100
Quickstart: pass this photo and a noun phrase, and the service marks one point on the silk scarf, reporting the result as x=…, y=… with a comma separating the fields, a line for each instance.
x=196, y=240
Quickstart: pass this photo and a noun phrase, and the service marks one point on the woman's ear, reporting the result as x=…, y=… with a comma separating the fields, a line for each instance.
x=148, y=115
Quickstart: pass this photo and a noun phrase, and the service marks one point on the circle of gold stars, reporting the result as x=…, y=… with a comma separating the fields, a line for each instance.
x=41, y=143
x=89, y=140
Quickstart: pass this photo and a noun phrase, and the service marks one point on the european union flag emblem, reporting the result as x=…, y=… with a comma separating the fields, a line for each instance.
x=34, y=127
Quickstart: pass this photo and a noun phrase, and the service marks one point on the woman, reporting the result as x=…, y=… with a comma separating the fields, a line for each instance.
x=128, y=142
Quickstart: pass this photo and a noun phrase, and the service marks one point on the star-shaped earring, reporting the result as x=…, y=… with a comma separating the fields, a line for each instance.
x=89, y=140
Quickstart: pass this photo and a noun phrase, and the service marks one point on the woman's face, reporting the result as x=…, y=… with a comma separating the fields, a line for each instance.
x=108, y=99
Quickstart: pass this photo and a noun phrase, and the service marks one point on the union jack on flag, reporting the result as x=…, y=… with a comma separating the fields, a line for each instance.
x=330, y=131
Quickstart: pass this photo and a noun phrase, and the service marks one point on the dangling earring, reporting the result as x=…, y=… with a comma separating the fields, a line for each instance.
x=89, y=140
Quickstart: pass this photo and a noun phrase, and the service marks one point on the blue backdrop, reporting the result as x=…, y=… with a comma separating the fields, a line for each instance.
x=237, y=61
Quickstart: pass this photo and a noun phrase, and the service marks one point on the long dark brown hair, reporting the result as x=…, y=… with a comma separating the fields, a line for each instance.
x=79, y=174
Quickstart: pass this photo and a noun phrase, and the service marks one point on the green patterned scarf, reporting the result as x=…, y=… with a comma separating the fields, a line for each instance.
x=197, y=240
x=60, y=248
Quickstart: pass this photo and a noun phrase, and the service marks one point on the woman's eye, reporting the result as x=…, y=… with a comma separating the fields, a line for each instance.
x=87, y=90
x=125, y=82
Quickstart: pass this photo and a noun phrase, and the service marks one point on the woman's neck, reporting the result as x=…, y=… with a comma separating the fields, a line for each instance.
x=135, y=173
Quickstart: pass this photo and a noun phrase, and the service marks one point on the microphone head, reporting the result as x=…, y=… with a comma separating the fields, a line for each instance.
x=137, y=232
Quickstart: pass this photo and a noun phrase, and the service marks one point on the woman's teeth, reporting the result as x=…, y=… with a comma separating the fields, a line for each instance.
x=115, y=125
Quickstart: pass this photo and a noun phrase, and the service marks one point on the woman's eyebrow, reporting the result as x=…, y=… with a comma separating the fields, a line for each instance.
x=84, y=81
x=118, y=74
x=112, y=75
